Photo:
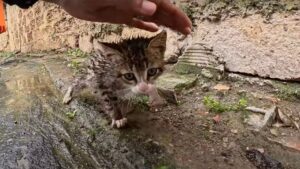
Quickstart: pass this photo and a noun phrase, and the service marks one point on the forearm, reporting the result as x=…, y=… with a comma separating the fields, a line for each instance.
x=25, y=4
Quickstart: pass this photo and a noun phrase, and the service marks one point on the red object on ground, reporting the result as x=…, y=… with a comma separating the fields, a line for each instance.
x=2, y=18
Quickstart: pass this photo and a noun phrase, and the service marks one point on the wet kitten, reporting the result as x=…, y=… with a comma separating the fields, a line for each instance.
x=121, y=71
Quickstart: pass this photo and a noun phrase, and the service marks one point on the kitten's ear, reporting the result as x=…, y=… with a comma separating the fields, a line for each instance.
x=104, y=49
x=157, y=45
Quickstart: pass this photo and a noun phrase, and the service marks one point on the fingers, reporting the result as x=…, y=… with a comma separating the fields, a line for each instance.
x=149, y=26
x=146, y=8
x=169, y=15
x=135, y=7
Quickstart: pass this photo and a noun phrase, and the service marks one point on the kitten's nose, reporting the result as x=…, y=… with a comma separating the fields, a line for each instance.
x=143, y=87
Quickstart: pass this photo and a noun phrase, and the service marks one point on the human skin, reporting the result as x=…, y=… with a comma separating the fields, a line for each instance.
x=143, y=14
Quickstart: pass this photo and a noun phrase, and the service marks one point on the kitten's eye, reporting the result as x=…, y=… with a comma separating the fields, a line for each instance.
x=129, y=76
x=152, y=71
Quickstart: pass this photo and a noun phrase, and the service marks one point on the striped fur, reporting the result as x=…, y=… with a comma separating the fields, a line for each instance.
x=114, y=72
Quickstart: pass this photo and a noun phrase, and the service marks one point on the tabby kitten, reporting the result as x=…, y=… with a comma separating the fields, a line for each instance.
x=121, y=71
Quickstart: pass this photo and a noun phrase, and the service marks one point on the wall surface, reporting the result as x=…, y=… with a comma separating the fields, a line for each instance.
x=251, y=45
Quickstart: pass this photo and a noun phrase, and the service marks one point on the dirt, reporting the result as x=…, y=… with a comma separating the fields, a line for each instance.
x=186, y=135
x=197, y=142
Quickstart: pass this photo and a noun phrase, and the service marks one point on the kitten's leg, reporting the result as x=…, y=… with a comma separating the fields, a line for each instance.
x=111, y=106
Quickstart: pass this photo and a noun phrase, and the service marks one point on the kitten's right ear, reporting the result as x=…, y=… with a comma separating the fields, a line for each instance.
x=104, y=49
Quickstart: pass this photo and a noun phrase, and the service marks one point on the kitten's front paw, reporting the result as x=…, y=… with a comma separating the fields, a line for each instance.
x=68, y=96
x=119, y=123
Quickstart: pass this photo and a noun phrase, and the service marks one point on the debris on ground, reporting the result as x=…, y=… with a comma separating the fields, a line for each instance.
x=272, y=117
x=221, y=88
x=262, y=161
x=256, y=121
x=289, y=142
x=217, y=119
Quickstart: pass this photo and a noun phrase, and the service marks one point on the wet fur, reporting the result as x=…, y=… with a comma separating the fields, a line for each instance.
x=105, y=71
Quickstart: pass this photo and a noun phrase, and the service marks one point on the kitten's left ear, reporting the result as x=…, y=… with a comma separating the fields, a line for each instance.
x=157, y=45
x=104, y=48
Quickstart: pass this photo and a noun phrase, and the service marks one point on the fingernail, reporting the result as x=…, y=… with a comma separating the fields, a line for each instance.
x=188, y=30
x=148, y=8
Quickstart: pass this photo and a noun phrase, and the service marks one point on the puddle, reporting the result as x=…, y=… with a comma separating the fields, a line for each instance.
x=36, y=133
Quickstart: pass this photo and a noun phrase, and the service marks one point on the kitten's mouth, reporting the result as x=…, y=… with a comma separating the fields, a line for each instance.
x=143, y=88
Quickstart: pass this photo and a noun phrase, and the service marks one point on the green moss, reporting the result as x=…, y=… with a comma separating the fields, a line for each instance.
x=140, y=103
x=287, y=91
x=219, y=107
x=244, y=7
x=7, y=54
x=76, y=53
x=71, y=115
x=182, y=68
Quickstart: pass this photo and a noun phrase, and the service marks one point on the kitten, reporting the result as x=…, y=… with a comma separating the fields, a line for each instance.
x=121, y=71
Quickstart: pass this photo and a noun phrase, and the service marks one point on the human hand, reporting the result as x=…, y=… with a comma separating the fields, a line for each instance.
x=143, y=14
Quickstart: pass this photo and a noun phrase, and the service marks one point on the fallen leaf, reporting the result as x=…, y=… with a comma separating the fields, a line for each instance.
x=274, y=131
x=217, y=119
x=221, y=87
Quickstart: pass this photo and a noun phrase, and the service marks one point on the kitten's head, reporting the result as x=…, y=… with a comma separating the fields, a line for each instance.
x=137, y=62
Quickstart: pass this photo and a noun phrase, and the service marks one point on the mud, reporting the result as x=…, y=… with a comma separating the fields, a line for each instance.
x=36, y=131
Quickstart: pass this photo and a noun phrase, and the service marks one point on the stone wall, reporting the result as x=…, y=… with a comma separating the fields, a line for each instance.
x=251, y=45
x=43, y=27
x=255, y=46
x=46, y=27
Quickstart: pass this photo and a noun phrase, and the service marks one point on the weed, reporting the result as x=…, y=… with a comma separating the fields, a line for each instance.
x=288, y=92
x=218, y=107
x=71, y=115
x=76, y=53
x=214, y=105
x=141, y=103
x=7, y=54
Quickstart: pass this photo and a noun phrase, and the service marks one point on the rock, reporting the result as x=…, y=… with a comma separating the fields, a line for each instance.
x=205, y=87
x=235, y=77
x=207, y=73
x=274, y=131
x=221, y=88
x=289, y=142
x=259, y=121
x=245, y=44
x=86, y=43
x=176, y=82
x=73, y=42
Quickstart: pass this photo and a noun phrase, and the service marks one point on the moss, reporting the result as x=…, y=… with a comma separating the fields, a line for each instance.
x=71, y=115
x=140, y=103
x=7, y=54
x=182, y=68
x=76, y=53
x=287, y=91
x=244, y=7
x=184, y=86
x=219, y=107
